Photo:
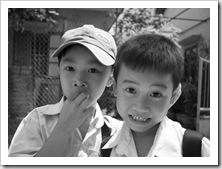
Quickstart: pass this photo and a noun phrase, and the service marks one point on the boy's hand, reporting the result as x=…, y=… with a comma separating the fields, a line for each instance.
x=74, y=112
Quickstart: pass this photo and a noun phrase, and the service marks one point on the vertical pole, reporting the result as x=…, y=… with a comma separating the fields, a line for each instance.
x=199, y=94
x=208, y=85
x=205, y=84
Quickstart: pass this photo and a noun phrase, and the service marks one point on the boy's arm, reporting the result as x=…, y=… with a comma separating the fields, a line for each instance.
x=27, y=139
x=55, y=145
x=71, y=117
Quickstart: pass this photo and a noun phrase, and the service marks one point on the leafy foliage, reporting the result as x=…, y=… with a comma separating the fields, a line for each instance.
x=204, y=49
x=140, y=20
x=17, y=16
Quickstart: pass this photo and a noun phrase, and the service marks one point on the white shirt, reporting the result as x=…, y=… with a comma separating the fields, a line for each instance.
x=167, y=142
x=37, y=126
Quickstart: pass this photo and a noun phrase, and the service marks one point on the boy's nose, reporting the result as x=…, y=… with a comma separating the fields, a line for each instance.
x=143, y=104
x=78, y=83
x=79, y=80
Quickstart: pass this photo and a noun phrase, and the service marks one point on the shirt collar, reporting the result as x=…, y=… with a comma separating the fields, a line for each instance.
x=126, y=144
x=96, y=122
x=167, y=141
x=53, y=109
x=97, y=119
x=123, y=140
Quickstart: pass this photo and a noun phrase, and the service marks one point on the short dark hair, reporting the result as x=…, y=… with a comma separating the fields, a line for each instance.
x=152, y=52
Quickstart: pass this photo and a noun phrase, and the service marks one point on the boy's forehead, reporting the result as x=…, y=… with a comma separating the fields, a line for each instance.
x=125, y=72
x=77, y=52
x=140, y=70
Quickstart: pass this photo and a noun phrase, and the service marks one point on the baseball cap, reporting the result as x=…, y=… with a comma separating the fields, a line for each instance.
x=98, y=41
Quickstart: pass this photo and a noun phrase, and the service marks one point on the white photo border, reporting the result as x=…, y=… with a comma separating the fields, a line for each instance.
x=212, y=160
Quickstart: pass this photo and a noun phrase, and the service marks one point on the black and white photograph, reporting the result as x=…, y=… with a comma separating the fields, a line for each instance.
x=127, y=79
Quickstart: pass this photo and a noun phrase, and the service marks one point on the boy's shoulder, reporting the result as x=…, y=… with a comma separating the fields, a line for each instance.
x=167, y=122
x=49, y=109
x=171, y=127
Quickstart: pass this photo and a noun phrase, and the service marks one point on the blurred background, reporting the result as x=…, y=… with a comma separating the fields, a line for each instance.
x=34, y=34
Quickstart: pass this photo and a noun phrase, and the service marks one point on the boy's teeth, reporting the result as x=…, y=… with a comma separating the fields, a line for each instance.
x=139, y=118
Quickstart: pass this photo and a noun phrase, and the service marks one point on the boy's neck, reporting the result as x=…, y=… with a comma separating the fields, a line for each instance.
x=83, y=128
x=144, y=140
x=147, y=133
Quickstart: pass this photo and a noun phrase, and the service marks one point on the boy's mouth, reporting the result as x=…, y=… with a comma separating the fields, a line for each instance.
x=139, y=119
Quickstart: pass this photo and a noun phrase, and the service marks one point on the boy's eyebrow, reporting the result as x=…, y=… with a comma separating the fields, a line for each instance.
x=160, y=85
x=68, y=60
x=130, y=81
x=155, y=84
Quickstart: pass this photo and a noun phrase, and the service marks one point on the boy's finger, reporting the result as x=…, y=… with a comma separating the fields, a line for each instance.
x=85, y=103
x=88, y=112
x=80, y=98
x=74, y=96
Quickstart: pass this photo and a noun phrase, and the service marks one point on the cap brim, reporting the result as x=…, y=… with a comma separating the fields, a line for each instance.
x=100, y=54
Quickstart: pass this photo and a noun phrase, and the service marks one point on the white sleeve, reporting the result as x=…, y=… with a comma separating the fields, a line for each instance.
x=205, y=149
x=27, y=139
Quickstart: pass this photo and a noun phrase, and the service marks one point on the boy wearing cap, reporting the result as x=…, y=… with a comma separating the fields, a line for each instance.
x=72, y=127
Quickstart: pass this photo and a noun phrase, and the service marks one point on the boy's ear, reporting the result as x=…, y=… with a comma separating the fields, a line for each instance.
x=110, y=81
x=175, y=96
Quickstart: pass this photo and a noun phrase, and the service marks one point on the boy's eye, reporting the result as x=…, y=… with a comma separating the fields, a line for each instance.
x=156, y=95
x=131, y=90
x=68, y=68
x=93, y=71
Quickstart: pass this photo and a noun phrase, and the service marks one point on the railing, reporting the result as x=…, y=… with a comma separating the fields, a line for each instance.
x=203, y=97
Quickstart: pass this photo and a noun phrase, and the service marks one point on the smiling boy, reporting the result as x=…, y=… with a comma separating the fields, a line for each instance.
x=147, y=74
